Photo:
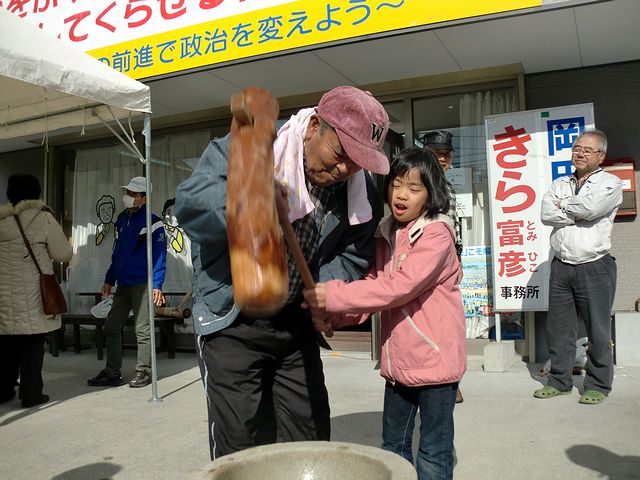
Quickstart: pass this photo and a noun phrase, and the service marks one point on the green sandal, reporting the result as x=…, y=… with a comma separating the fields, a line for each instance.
x=592, y=397
x=549, y=392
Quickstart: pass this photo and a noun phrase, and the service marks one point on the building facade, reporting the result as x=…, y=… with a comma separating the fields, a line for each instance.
x=443, y=68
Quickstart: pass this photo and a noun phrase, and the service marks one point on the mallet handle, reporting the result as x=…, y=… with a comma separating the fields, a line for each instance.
x=298, y=256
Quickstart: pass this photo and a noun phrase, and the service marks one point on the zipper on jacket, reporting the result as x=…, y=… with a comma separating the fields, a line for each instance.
x=400, y=259
x=420, y=332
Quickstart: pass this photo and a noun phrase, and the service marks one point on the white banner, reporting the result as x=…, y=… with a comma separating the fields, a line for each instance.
x=526, y=151
x=460, y=178
x=98, y=23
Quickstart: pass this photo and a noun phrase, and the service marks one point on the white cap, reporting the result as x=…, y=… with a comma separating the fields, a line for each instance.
x=138, y=184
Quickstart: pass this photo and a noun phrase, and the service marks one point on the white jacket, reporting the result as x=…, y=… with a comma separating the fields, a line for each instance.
x=582, y=223
x=20, y=301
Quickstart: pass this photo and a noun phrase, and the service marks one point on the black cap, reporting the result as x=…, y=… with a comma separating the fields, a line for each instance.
x=438, y=139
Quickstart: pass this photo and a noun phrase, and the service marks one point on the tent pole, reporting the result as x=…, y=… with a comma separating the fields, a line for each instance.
x=152, y=323
x=131, y=146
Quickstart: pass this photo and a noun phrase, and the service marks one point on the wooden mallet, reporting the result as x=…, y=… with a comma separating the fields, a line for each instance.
x=243, y=116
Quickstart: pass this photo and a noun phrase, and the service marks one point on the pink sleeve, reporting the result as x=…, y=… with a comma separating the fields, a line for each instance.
x=340, y=320
x=421, y=270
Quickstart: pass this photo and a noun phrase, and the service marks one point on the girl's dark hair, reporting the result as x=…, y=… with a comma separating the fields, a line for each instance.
x=430, y=173
x=23, y=187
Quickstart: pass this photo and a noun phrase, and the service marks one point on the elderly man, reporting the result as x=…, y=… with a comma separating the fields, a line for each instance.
x=581, y=208
x=263, y=377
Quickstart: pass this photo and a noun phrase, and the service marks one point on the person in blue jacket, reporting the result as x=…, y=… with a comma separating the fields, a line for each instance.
x=263, y=377
x=128, y=271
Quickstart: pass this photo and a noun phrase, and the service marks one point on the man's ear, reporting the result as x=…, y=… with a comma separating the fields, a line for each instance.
x=312, y=126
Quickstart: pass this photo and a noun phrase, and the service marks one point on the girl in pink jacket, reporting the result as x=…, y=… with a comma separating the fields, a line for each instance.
x=413, y=285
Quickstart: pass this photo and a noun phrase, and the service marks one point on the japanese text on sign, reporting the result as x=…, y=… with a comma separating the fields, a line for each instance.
x=511, y=158
x=145, y=38
x=515, y=230
x=561, y=134
x=525, y=152
x=213, y=42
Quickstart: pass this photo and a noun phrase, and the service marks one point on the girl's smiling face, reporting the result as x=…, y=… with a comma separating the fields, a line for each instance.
x=407, y=196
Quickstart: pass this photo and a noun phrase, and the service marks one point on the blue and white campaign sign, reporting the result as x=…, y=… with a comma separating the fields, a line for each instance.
x=526, y=151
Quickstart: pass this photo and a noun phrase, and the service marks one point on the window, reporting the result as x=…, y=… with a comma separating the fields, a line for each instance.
x=93, y=201
x=463, y=116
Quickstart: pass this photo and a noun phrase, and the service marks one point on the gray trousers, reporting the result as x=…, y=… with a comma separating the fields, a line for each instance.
x=586, y=291
x=126, y=298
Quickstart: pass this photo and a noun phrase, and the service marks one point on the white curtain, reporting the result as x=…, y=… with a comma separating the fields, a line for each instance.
x=473, y=108
x=97, y=201
x=172, y=159
x=476, y=231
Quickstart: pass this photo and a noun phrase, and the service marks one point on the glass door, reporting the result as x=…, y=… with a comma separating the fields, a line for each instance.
x=462, y=115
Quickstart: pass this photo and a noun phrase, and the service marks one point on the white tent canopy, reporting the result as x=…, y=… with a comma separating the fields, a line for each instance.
x=47, y=85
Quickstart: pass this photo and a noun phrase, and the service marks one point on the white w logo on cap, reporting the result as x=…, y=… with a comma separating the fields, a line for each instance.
x=376, y=132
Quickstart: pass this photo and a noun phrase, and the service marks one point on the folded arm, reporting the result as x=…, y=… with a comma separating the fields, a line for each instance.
x=551, y=214
x=597, y=203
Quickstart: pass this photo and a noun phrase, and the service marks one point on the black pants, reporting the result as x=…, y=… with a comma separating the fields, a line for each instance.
x=586, y=290
x=264, y=383
x=22, y=355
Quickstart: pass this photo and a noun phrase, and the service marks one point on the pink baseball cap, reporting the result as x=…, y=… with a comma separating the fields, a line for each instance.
x=361, y=123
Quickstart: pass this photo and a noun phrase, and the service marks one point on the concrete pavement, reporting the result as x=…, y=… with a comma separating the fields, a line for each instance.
x=501, y=430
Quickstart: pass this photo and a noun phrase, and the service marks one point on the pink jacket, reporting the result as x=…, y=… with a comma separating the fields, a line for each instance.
x=413, y=285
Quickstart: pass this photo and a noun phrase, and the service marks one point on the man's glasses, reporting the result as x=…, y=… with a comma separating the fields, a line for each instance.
x=587, y=152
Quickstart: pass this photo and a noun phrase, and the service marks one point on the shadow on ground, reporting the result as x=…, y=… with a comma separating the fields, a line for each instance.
x=605, y=462
x=97, y=471
x=65, y=377
x=364, y=428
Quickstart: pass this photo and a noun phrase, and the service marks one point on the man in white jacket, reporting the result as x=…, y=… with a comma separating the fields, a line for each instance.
x=581, y=209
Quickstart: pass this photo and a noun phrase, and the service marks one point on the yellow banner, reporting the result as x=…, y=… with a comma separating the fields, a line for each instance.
x=286, y=27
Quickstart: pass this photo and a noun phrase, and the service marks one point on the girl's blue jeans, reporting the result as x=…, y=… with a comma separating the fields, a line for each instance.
x=435, y=403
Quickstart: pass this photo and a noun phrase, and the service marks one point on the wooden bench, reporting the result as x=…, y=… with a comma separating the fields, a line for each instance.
x=166, y=325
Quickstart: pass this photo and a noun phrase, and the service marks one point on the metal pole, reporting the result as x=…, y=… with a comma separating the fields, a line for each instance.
x=498, y=328
x=530, y=334
x=151, y=309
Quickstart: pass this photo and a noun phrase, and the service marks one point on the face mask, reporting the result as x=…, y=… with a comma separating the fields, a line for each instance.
x=128, y=201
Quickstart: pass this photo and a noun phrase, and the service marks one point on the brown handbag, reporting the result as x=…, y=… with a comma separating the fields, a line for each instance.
x=53, y=301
